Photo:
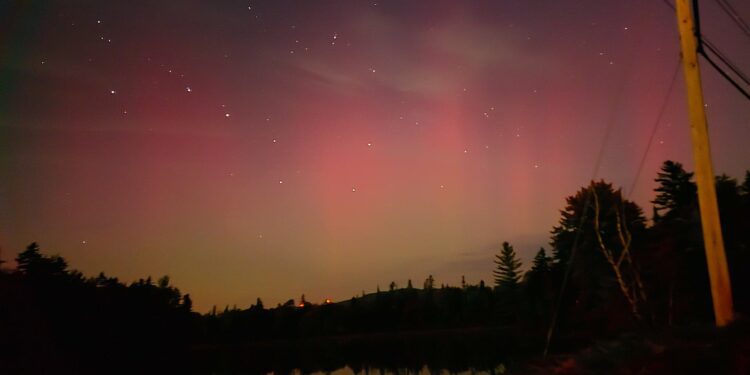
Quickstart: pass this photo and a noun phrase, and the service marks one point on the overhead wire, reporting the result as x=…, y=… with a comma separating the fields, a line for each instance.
x=579, y=227
x=726, y=60
x=702, y=52
x=597, y=164
x=732, y=13
x=726, y=76
x=704, y=41
x=654, y=128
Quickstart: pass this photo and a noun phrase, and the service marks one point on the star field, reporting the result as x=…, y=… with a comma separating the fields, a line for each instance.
x=274, y=148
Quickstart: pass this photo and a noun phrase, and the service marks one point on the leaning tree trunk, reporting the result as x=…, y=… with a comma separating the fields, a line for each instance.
x=627, y=276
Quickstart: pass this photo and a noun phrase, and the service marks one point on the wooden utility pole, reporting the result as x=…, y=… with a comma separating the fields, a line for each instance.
x=721, y=288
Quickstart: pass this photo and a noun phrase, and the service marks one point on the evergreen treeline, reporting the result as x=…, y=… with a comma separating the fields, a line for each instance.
x=621, y=273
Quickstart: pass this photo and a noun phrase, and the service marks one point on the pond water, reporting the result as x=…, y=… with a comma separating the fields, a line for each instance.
x=346, y=370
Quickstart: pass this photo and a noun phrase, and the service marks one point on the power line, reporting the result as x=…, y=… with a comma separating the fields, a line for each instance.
x=584, y=216
x=725, y=75
x=703, y=41
x=662, y=109
x=732, y=13
x=725, y=60
x=670, y=5
x=702, y=52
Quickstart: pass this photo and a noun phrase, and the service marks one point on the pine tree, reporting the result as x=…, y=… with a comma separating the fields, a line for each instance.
x=676, y=194
x=429, y=283
x=506, y=273
x=31, y=262
x=28, y=258
x=187, y=303
x=605, y=232
x=541, y=262
x=745, y=187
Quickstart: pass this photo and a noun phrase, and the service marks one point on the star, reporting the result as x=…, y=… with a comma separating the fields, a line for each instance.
x=226, y=115
x=83, y=242
x=188, y=89
x=281, y=181
x=369, y=145
x=354, y=190
x=112, y=92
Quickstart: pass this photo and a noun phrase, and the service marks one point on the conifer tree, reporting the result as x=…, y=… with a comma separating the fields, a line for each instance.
x=541, y=262
x=676, y=194
x=506, y=273
x=429, y=283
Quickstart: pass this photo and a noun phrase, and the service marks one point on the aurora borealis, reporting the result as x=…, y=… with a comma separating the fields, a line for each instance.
x=274, y=148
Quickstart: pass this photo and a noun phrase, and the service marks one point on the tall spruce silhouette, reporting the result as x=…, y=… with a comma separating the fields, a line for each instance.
x=507, y=268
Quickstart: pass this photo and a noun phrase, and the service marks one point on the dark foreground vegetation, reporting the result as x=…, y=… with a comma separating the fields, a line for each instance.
x=637, y=297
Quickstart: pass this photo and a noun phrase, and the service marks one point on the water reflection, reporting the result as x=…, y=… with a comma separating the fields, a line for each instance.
x=425, y=370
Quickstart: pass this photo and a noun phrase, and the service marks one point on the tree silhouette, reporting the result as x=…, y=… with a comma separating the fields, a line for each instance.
x=619, y=255
x=681, y=275
x=538, y=287
x=676, y=192
x=187, y=303
x=598, y=232
x=32, y=263
x=541, y=262
x=507, y=266
x=429, y=283
x=745, y=187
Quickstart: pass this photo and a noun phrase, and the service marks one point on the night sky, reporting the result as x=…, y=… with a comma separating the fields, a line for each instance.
x=273, y=148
